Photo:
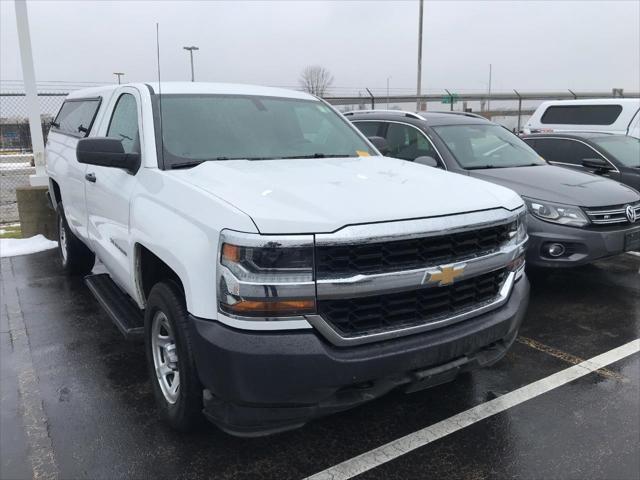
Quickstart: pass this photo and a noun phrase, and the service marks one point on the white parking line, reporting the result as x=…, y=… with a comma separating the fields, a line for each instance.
x=396, y=448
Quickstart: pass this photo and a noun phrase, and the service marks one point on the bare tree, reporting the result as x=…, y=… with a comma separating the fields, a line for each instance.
x=316, y=80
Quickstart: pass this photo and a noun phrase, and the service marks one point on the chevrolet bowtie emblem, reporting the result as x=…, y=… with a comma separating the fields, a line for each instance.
x=443, y=275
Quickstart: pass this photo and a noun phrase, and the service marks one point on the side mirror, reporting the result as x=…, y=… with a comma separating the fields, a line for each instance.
x=380, y=143
x=428, y=161
x=597, y=164
x=106, y=152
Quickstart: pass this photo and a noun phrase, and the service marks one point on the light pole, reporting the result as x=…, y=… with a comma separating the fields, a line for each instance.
x=489, y=93
x=419, y=56
x=118, y=74
x=31, y=94
x=191, y=49
x=388, y=78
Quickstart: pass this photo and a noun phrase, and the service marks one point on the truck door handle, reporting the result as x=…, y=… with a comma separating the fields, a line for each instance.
x=90, y=177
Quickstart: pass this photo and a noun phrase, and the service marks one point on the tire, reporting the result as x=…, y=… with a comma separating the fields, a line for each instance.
x=169, y=352
x=75, y=256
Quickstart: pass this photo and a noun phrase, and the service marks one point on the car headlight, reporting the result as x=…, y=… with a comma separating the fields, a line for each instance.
x=557, y=213
x=518, y=229
x=262, y=276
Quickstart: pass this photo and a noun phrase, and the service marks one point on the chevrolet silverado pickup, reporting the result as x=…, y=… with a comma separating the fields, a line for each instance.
x=277, y=267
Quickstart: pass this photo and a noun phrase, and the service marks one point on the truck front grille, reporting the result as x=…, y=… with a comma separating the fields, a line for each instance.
x=370, y=315
x=366, y=258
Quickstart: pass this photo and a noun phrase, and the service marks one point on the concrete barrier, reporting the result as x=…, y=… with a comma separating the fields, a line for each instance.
x=35, y=214
x=14, y=173
x=16, y=158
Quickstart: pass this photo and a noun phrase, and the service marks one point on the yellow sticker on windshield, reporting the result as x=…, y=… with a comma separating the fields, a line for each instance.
x=362, y=153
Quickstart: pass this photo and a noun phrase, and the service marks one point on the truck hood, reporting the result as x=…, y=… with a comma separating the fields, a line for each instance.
x=325, y=194
x=559, y=184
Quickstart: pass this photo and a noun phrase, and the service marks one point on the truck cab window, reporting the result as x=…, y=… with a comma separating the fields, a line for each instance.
x=76, y=117
x=124, y=123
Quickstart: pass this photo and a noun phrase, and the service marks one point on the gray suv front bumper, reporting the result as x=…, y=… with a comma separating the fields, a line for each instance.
x=583, y=245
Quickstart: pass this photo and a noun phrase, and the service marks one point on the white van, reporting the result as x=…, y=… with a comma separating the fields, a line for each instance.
x=613, y=115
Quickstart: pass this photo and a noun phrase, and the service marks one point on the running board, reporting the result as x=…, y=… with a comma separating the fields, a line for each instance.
x=119, y=306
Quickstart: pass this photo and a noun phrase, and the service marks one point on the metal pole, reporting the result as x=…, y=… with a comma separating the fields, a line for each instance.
x=118, y=74
x=193, y=77
x=489, y=95
x=373, y=99
x=450, y=98
x=388, y=92
x=191, y=49
x=31, y=93
x=418, y=88
x=519, y=108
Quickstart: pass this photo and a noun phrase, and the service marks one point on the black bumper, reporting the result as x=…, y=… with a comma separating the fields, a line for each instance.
x=260, y=383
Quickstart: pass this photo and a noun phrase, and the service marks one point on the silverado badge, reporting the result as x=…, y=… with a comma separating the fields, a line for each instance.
x=443, y=275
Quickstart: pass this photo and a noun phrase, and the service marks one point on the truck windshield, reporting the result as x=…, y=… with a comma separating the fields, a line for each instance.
x=621, y=147
x=206, y=127
x=478, y=146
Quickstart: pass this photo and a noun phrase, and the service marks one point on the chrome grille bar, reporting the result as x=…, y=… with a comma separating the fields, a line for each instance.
x=610, y=215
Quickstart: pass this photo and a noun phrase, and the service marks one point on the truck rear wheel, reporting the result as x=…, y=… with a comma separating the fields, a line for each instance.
x=170, y=359
x=75, y=257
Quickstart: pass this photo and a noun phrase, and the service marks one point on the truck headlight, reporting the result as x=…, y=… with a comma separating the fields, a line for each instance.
x=518, y=229
x=262, y=276
x=557, y=213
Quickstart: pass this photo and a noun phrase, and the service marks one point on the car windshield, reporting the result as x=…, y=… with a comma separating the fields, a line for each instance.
x=479, y=146
x=621, y=147
x=198, y=128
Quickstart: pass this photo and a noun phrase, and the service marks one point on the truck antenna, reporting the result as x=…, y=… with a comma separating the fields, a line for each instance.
x=159, y=90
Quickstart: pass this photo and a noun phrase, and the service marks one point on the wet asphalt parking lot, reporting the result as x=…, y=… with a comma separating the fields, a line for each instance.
x=76, y=401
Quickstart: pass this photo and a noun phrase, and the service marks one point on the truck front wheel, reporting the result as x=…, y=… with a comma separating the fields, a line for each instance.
x=75, y=257
x=172, y=368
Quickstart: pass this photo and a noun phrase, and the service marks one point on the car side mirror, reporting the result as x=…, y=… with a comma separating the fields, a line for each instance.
x=380, y=143
x=428, y=161
x=597, y=164
x=106, y=152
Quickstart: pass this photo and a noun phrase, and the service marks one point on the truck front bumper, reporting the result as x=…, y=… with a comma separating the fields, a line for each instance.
x=581, y=245
x=262, y=383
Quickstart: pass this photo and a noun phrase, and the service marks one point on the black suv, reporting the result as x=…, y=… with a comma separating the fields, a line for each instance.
x=613, y=156
x=574, y=217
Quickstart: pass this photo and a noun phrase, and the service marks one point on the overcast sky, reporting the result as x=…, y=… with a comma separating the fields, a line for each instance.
x=545, y=45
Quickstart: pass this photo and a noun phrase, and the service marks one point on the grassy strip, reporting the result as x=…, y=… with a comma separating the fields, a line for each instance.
x=10, y=231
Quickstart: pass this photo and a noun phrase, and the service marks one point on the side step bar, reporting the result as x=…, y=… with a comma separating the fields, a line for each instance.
x=122, y=310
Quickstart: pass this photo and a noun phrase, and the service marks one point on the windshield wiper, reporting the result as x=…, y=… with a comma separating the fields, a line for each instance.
x=483, y=167
x=318, y=155
x=195, y=163
x=186, y=164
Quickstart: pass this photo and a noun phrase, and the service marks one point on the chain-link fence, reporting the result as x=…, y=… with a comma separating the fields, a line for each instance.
x=16, y=160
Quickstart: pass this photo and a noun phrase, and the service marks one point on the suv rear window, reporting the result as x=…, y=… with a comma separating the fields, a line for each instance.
x=76, y=116
x=581, y=114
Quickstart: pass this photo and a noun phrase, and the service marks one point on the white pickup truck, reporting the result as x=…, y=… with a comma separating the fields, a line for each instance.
x=277, y=266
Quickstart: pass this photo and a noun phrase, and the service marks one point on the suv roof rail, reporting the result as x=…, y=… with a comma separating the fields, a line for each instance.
x=466, y=114
x=404, y=113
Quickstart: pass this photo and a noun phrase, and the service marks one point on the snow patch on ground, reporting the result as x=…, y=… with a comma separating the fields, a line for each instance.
x=11, y=247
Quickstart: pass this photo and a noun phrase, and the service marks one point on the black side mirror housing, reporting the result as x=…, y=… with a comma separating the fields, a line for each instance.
x=597, y=164
x=106, y=152
x=380, y=143
x=428, y=161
